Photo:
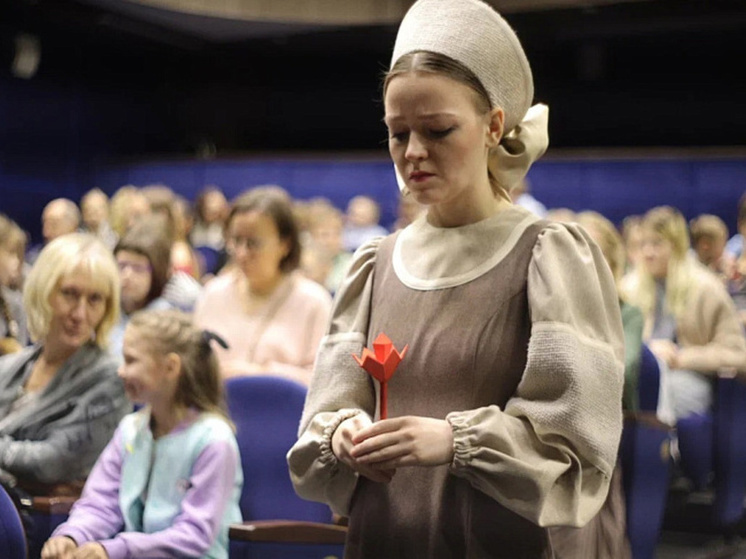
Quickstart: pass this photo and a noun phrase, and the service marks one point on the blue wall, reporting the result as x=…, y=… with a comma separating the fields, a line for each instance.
x=614, y=187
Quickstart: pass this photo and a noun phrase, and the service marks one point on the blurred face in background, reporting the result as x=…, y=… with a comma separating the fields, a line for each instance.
x=56, y=221
x=10, y=263
x=257, y=249
x=136, y=274
x=655, y=252
x=328, y=234
x=95, y=208
x=215, y=207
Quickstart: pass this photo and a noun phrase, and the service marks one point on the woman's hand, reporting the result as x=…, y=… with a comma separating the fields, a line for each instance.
x=91, y=550
x=60, y=547
x=342, y=445
x=404, y=441
x=667, y=351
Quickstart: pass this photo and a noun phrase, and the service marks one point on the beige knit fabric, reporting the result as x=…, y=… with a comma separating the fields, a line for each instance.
x=474, y=34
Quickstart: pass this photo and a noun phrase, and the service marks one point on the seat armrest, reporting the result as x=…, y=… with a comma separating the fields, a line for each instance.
x=53, y=505
x=288, y=531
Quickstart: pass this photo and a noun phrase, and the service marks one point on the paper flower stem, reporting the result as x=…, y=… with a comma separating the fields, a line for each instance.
x=384, y=400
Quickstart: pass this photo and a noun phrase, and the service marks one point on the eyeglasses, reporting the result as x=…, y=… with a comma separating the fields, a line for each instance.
x=135, y=267
x=252, y=244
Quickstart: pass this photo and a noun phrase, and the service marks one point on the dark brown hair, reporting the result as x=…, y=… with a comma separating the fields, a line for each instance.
x=149, y=237
x=275, y=203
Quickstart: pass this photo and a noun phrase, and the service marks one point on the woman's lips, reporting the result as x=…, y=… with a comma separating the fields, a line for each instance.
x=419, y=176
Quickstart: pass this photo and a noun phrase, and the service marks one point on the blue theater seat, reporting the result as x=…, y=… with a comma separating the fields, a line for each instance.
x=277, y=523
x=12, y=535
x=645, y=461
x=713, y=450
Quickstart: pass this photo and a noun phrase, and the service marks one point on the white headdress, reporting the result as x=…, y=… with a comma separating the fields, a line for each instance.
x=472, y=33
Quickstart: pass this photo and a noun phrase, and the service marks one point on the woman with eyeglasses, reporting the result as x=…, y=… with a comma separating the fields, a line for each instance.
x=272, y=317
x=143, y=259
x=61, y=399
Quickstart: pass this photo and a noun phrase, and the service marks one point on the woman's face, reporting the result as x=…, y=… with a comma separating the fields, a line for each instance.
x=257, y=248
x=136, y=274
x=78, y=305
x=10, y=264
x=656, y=253
x=437, y=138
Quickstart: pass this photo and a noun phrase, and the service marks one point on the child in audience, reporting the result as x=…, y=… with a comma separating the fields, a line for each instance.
x=168, y=483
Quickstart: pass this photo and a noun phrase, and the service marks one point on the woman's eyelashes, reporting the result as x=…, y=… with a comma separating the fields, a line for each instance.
x=431, y=133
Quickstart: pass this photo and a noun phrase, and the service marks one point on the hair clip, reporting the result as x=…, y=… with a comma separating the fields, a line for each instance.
x=209, y=335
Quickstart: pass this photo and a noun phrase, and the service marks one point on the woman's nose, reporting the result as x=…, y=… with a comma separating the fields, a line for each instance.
x=416, y=150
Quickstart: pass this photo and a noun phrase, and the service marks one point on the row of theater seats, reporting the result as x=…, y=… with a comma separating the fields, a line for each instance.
x=712, y=450
x=277, y=523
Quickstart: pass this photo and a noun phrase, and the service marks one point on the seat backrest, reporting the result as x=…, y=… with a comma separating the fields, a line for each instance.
x=649, y=380
x=266, y=411
x=209, y=257
x=12, y=535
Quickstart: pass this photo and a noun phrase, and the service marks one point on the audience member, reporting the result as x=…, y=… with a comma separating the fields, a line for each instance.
x=211, y=209
x=271, y=316
x=142, y=256
x=709, y=235
x=504, y=416
x=326, y=227
x=362, y=222
x=169, y=482
x=561, y=215
x=407, y=211
x=691, y=323
x=632, y=237
x=94, y=206
x=521, y=196
x=60, y=400
x=734, y=246
x=164, y=201
x=13, y=331
x=59, y=217
x=128, y=205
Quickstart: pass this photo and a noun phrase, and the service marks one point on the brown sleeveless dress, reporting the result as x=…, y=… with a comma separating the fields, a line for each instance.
x=468, y=349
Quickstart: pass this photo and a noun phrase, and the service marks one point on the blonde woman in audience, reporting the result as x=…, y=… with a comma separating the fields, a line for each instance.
x=128, y=205
x=60, y=399
x=13, y=332
x=691, y=323
x=271, y=316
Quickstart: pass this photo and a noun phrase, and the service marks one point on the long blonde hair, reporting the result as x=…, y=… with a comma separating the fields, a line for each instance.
x=667, y=222
x=171, y=331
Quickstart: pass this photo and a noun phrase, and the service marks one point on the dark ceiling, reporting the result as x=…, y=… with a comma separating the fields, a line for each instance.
x=633, y=75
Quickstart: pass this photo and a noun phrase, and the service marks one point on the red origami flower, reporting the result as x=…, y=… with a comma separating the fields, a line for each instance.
x=381, y=363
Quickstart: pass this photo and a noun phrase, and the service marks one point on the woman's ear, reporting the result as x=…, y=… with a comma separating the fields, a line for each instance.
x=496, y=127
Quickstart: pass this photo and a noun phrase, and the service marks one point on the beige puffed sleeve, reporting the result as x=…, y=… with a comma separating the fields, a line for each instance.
x=339, y=389
x=549, y=454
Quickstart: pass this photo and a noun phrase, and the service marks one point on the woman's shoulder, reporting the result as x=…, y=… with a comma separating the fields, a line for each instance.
x=307, y=288
x=220, y=285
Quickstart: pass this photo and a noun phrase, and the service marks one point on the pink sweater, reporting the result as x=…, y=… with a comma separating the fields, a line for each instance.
x=281, y=337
